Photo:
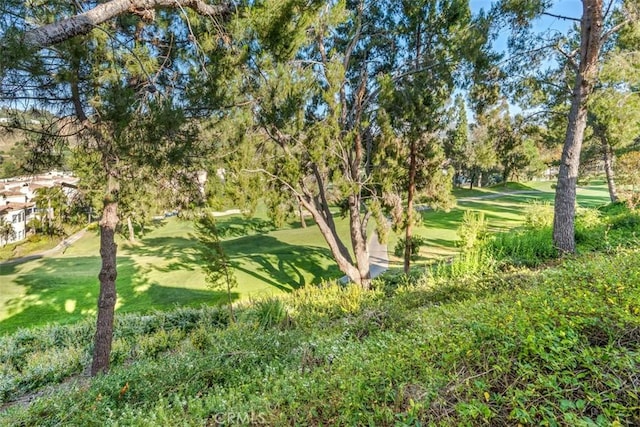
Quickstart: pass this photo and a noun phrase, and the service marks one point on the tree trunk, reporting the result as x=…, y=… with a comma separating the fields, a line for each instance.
x=359, y=242
x=479, y=180
x=411, y=190
x=564, y=208
x=303, y=223
x=107, y=276
x=608, y=169
x=132, y=234
x=337, y=248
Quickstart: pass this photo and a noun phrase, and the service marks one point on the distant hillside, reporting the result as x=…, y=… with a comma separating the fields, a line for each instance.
x=14, y=132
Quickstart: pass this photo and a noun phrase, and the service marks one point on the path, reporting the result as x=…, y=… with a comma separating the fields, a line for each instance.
x=379, y=254
x=421, y=208
x=61, y=247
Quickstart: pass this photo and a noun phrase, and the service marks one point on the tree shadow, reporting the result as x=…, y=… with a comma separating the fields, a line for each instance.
x=237, y=226
x=264, y=257
x=281, y=264
x=65, y=290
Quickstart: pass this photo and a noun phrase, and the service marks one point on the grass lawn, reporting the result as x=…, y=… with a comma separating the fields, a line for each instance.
x=503, y=213
x=163, y=269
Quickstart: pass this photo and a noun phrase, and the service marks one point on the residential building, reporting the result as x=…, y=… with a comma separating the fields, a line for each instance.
x=17, y=198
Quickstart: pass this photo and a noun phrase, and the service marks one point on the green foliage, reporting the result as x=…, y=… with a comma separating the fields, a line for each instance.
x=538, y=347
x=473, y=231
x=267, y=313
x=217, y=265
x=416, y=243
x=538, y=215
x=530, y=247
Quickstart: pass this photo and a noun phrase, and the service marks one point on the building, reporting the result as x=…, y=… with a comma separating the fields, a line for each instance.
x=17, y=199
x=16, y=214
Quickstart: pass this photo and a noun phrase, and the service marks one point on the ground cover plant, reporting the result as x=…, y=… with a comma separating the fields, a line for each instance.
x=550, y=346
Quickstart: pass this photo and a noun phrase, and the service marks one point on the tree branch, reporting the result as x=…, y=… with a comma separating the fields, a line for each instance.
x=57, y=32
x=566, y=18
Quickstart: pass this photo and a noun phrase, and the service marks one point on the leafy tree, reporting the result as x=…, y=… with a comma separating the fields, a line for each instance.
x=52, y=204
x=7, y=232
x=308, y=92
x=580, y=58
x=438, y=36
x=629, y=174
x=117, y=71
x=217, y=265
x=457, y=139
x=480, y=153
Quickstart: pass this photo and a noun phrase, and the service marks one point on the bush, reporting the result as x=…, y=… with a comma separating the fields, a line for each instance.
x=416, y=243
x=530, y=247
x=472, y=231
x=538, y=214
x=267, y=313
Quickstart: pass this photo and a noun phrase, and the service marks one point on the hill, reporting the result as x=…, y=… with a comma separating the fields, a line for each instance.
x=466, y=344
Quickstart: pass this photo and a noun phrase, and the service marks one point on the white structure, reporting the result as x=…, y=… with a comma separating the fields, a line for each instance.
x=17, y=205
x=16, y=214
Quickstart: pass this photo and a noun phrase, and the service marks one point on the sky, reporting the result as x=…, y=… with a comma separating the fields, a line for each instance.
x=569, y=8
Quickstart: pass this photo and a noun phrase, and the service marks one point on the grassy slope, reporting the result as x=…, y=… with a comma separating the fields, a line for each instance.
x=543, y=347
x=163, y=270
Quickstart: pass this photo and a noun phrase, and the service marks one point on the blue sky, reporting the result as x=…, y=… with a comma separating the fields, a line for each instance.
x=569, y=8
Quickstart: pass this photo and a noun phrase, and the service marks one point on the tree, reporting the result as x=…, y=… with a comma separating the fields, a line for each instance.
x=457, y=139
x=314, y=106
x=218, y=267
x=438, y=36
x=7, y=232
x=52, y=203
x=582, y=57
x=614, y=114
x=308, y=95
x=480, y=153
x=121, y=81
x=629, y=174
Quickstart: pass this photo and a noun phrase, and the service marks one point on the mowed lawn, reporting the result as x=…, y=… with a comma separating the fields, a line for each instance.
x=502, y=213
x=163, y=269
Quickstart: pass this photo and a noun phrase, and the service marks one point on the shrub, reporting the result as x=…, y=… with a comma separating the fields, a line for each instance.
x=538, y=214
x=416, y=243
x=529, y=247
x=472, y=231
x=268, y=313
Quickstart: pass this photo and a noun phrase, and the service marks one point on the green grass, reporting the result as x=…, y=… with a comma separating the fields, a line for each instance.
x=160, y=272
x=163, y=270
x=554, y=346
x=503, y=213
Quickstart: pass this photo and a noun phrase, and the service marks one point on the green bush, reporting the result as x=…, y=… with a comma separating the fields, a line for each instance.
x=538, y=215
x=416, y=243
x=267, y=313
x=530, y=247
x=551, y=346
x=472, y=231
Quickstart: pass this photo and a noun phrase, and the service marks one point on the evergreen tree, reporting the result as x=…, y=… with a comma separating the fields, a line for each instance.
x=118, y=72
x=580, y=57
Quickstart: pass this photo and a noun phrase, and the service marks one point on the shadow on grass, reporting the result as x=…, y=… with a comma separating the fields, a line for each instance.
x=65, y=290
x=592, y=201
x=280, y=264
x=264, y=257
